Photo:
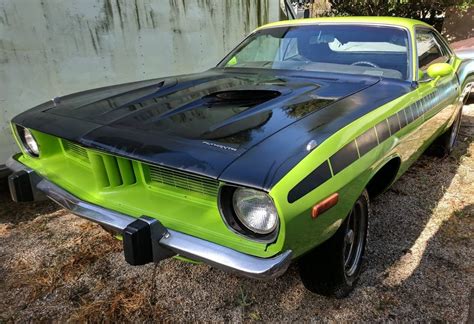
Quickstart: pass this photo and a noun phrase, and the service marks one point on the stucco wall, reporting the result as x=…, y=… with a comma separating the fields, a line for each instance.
x=54, y=47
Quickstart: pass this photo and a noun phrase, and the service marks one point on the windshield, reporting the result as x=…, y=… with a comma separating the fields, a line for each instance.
x=353, y=49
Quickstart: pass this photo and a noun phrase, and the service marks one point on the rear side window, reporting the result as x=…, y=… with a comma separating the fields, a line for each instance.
x=429, y=49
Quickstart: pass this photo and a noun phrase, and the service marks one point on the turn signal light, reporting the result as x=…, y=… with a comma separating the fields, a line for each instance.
x=324, y=205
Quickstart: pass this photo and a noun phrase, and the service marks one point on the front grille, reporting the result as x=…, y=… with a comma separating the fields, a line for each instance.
x=111, y=171
x=75, y=150
x=183, y=180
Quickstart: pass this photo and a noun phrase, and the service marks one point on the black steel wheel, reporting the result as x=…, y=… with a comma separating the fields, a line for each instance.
x=354, y=238
x=444, y=144
x=333, y=268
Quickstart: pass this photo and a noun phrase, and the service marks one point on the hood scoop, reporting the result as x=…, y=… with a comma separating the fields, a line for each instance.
x=246, y=98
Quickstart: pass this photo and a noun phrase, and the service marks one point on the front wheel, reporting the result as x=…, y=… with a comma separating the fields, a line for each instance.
x=333, y=268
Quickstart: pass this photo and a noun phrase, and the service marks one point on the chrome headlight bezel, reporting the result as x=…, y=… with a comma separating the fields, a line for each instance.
x=28, y=141
x=236, y=224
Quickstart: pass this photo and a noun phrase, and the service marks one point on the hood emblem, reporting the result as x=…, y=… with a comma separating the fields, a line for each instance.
x=220, y=146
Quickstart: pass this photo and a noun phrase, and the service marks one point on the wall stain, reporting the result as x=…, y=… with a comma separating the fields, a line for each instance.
x=94, y=44
x=207, y=4
x=106, y=21
x=137, y=14
x=108, y=10
x=98, y=39
x=247, y=16
x=119, y=9
x=259, y=12
x=227, y=16
x=266, y=14
x=43, y=10
x=3, y=58
x=6, y=17
x=152, y=18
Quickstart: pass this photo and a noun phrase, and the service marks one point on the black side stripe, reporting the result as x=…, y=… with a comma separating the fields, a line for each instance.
x=394, y=124
x=367, y=141
x=316, y=178
x=344, y=157
x=414, y=111
x=403, y=118
x=383, y=131
x=409, y=114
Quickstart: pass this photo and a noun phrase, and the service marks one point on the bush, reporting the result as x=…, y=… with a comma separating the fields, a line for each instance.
x=429, y=11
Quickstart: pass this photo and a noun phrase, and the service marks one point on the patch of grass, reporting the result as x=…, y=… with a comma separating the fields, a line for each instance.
x=385, y=303
x=122, y=306
x=243, y=299
x=64, y=268
x=463, y=213
x=255, y=316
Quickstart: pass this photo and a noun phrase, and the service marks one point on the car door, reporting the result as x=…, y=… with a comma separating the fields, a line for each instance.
x=433, y=102
x=437, y=98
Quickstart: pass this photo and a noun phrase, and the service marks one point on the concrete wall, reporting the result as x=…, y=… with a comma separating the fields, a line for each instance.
x=51, y=48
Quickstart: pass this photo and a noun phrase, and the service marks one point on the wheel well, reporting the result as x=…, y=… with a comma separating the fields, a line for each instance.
x=383, y=178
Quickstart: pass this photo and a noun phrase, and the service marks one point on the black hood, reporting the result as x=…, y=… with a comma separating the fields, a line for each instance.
x=200, y=123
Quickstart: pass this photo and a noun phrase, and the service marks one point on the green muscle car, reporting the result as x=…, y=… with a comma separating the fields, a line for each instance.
x=268, y=158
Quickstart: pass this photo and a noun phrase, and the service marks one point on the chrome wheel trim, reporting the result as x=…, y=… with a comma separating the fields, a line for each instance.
x=354, y=239
x=455, y=131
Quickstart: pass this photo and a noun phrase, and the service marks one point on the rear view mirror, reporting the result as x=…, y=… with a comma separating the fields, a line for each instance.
x=439, y=70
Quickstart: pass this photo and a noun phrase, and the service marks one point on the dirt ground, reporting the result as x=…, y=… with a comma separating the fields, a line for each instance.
x=419, y=264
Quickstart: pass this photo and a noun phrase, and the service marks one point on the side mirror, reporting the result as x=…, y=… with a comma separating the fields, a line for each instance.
x=232, y=61
x=439, y=70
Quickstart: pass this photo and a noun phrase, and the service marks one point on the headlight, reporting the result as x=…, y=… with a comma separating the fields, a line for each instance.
x=29, y=141
x=255, y=210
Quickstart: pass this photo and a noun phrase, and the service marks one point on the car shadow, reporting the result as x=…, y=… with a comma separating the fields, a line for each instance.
x=438, y=265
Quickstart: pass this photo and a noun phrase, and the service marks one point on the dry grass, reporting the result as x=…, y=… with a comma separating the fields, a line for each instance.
x=55, y=266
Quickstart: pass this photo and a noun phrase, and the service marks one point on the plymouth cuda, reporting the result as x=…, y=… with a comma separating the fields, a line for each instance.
x=270, y=157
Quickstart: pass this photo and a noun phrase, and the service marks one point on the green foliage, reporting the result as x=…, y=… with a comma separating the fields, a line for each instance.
x=425, y=10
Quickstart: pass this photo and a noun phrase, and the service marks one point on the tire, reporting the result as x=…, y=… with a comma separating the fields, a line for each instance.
x=333, y=268
x=444, y=144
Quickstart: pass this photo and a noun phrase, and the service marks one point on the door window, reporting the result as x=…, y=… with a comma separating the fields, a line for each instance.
x=429, y=49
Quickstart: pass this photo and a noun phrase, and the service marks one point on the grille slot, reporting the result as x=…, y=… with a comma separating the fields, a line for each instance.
x=75, y=150
x=183, y=180
x=111, y=171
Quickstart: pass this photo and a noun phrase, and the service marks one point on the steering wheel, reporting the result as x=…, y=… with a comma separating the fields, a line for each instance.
x=366, y=63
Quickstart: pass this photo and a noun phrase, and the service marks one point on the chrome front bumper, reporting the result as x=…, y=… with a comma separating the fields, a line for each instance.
x=164, y=242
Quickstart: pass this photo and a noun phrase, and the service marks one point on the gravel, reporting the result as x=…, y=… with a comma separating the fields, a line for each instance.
x=419, y=264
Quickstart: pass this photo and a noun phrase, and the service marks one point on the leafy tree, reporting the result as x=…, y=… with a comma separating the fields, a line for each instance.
x=430, y=11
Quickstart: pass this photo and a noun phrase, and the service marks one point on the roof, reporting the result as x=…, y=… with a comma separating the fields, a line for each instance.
x=397, y=21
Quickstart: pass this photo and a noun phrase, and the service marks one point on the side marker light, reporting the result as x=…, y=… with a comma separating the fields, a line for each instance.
x=324, y=205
